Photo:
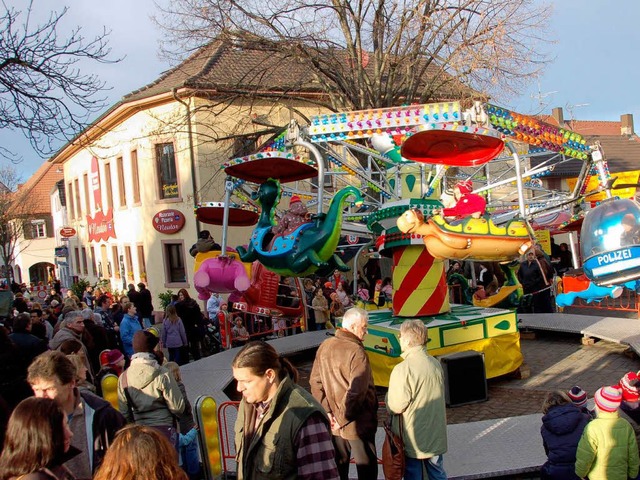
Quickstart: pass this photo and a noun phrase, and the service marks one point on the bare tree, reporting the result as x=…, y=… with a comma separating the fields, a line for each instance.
x=43, y=92
x=17, y=209
x=379, y=53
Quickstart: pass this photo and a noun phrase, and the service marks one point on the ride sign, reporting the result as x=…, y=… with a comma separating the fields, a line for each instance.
x=168, y=221
x=612, y=264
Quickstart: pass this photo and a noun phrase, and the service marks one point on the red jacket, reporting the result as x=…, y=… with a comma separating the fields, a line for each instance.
x=467, y=205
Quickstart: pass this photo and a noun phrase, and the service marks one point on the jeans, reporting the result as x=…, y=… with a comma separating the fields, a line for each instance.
x=434, y=465
x=364, y=455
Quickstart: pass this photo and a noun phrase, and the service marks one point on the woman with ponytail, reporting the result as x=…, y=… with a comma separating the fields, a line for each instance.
x=281, y=430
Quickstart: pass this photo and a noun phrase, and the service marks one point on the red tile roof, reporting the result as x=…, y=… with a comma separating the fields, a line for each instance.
x=587, y=127
x=38, y=188
x=221, y=66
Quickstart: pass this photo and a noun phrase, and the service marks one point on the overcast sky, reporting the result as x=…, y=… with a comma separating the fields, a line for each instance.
x=595, y=75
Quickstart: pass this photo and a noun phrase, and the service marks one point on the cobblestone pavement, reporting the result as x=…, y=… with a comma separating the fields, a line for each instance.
x=555, y=361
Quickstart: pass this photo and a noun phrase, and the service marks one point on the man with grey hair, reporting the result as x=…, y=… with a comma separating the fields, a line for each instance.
x=72, y=328
x=416, y=390
x=342, y=381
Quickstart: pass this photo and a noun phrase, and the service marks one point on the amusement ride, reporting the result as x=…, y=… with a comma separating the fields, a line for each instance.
x=382, y=175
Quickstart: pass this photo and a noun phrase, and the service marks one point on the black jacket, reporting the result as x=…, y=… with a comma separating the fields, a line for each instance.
x=561, y=430
x=144, y=304
x=106, y=423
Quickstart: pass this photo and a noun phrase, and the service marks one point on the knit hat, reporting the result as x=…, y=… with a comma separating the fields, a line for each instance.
x=578, y=396
x=54, y=303
x=608, y=399
x=114, y=356
x=144, y=341
x=629, y=387
x=465, y=186
x=294, y=199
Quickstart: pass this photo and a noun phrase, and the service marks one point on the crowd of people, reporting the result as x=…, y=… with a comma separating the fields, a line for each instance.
x=54, y=422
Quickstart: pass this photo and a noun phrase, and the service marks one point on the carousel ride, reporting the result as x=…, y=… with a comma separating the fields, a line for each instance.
x=388, y=168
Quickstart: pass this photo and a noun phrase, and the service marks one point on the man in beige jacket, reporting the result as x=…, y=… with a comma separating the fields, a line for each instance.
x=416, y=390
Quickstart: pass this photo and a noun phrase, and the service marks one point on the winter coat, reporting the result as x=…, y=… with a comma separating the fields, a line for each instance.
x=144, y=303
x=128, y=327
x=29, y=346
x=270, y=453
x=608, y=449
x=321, y=309
x=191, y=315
x=561, y=430
x=416, y=390
x=530, y=276
x=154, y=393
x=185, y=420
x=105, y=423
x=342, y=381
x=173, y=334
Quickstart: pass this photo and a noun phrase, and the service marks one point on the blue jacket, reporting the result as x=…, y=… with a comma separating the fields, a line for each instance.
x=128, y=327
x=561, y=430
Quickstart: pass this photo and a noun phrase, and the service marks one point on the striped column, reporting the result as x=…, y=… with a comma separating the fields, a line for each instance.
x=419, y=283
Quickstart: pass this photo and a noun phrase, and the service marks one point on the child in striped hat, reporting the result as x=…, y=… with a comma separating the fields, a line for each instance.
x=579, y=398
x=608, y=449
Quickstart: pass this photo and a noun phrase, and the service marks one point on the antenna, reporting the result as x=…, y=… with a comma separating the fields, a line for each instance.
x=570, y=108
x=541, y=95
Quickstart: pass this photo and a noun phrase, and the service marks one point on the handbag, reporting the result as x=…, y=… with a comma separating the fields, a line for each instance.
x=393, y=460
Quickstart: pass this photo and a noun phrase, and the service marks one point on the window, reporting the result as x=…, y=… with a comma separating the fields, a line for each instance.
x=87, y=203
x=128, y=262
x=121, y=190
x=135, y=176
x=77, y=265
x=142, y=264
x=85, y=269
x=107, y=183
x=167, y=172
x=116, y=261
x=71, y=210
x=94, y=268
x=38, y=229
x=175, y=270
x=76, y=186
x=104, y=266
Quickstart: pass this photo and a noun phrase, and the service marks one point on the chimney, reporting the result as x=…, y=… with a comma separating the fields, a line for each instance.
x=626, y=124
x=558, y=115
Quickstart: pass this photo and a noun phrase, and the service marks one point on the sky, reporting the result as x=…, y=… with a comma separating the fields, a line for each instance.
x=594, y=75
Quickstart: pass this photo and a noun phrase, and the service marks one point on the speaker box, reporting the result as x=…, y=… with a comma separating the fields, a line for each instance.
x=465, y=380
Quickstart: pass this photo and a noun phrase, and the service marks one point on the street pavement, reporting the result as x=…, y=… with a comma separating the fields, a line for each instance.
x=556, y=362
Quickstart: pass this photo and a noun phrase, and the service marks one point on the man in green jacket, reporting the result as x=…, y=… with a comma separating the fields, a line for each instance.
x=416, y=391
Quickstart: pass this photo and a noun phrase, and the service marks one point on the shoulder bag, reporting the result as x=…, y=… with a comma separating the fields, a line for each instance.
x=393, y=461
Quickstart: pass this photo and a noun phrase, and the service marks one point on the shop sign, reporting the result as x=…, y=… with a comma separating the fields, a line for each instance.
x=61, y=252
x=168, y=221
x=67, y=232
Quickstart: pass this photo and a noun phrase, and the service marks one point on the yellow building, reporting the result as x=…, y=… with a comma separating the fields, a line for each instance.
x=155, y=154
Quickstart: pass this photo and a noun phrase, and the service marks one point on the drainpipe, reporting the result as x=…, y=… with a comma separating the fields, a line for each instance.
x=191, y=152
x=228, y=188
